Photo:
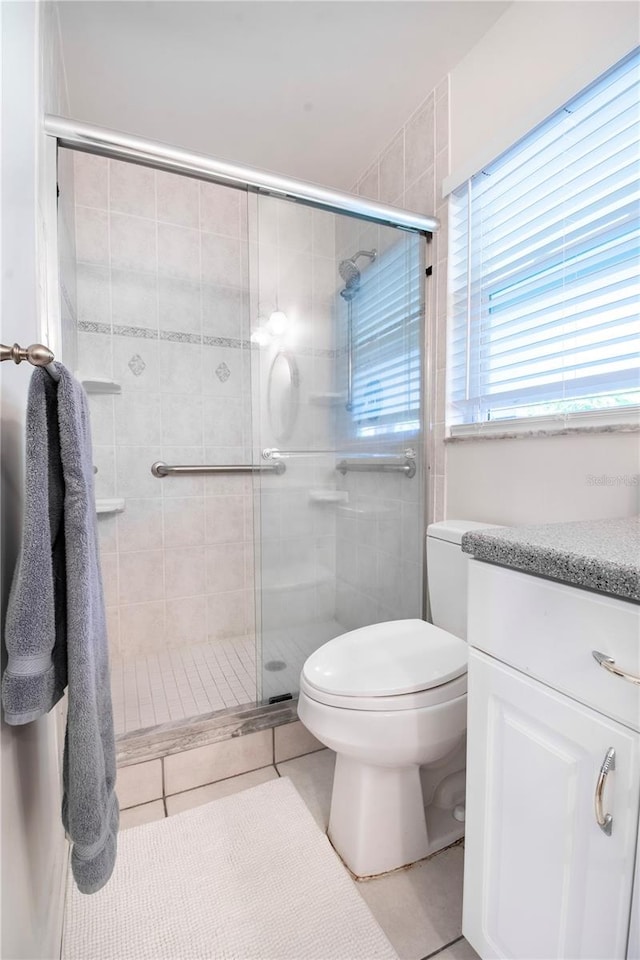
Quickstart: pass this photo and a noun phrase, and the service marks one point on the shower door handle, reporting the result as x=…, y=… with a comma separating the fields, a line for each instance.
x=349, y=403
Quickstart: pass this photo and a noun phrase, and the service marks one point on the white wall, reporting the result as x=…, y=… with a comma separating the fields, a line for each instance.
x=544, y=479
x=534, y=58
x=33, y=846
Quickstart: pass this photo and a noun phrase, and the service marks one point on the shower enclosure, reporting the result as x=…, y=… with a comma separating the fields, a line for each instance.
x=254, y=365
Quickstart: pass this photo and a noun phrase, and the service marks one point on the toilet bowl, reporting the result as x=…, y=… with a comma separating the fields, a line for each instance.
x=390, y=699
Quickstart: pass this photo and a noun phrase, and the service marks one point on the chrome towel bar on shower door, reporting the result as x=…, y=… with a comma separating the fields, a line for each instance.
x=386, y=463
x=405, y=463
x=161, y=469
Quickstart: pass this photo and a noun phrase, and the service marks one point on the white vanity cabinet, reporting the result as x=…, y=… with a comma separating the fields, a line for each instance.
x=633, y=952
x=553, y=753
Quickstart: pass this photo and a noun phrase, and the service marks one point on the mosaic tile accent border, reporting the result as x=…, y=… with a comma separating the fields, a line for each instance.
x=91, y=326
x=142, y=332
x=168, y=335
x=228, y=342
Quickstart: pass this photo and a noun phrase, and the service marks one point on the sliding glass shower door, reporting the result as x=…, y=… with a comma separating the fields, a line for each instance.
x=338, y=316
x=162, y=327
x=265, y=358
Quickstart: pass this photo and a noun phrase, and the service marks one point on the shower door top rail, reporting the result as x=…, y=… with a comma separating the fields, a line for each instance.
x=162, y=469
x=153, y=153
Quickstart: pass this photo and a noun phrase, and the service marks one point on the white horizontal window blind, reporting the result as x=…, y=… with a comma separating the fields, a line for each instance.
x=387, y=322
x=545, y=265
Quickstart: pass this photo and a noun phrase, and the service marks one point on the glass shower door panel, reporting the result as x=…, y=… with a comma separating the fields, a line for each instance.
x=294, y=425
x=337, y=346
x=380, y=350
x=163, y=337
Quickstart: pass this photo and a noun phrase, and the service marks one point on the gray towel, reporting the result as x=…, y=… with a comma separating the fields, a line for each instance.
x=55, y=631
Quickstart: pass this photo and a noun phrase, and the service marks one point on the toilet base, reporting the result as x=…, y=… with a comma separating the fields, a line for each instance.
x=377, y=821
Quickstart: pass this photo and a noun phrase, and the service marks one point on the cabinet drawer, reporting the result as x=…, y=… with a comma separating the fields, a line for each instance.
x=550, y=630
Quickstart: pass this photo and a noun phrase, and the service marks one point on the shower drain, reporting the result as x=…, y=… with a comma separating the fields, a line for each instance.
x=274, y=665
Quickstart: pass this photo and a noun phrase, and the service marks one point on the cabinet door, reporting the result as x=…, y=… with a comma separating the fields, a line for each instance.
x=633, y=952
x=542, y=879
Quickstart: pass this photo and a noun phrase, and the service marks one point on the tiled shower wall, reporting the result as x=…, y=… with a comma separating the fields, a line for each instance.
x=298, y=274
x=380, y=572
x=163, y=310
x=409, y=173
x=165, y=265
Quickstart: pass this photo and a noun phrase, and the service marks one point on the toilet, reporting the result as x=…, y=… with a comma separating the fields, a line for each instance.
x=391, y=700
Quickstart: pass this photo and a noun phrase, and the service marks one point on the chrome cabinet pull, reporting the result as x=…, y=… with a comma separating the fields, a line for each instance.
x=605, y=820
x=609, y=664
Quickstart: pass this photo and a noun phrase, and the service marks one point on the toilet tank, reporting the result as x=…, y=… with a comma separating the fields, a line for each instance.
x=447, y=573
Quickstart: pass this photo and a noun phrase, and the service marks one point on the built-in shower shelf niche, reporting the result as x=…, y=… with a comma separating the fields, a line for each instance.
x=295, y=578
x=107, y=506
x=327, y=399
x=328, y=495
x=95, y=385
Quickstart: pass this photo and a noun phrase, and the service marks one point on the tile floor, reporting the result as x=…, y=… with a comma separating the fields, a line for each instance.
x=181, y=683
x=419, y=908
x=205, y=677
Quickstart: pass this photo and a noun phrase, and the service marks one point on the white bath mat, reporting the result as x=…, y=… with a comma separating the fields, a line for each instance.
x=247, y=877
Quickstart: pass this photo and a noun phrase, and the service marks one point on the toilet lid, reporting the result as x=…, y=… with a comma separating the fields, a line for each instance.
x=387, y=659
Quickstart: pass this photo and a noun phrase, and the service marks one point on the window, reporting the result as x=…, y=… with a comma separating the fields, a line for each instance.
x=387, y=317
x=545, y=265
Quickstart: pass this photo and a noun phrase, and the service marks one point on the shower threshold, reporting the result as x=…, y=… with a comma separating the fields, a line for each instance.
x=198, y=693
x=178, y=735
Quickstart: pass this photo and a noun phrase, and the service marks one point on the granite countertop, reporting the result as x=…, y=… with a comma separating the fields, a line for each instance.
x=601, y=555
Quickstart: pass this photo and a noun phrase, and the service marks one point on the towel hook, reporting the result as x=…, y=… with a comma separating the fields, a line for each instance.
x=37, y=354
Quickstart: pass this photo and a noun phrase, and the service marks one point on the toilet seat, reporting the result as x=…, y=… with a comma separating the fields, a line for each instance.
x=398, y=665
x=404, y=701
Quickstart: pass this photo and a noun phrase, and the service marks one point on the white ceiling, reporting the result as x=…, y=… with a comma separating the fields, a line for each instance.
x=309, y=88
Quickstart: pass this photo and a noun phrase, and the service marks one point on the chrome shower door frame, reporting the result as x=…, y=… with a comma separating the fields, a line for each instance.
x=60, y=131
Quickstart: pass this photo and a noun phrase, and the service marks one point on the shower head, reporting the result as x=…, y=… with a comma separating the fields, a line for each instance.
x=350, y=273
x=349, y=292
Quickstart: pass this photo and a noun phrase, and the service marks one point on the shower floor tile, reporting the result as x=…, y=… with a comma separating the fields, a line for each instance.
x=204, y=677
x=285, y=650
x=182, y=683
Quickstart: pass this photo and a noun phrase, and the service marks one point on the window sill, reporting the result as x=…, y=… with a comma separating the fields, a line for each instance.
x=575, y=425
